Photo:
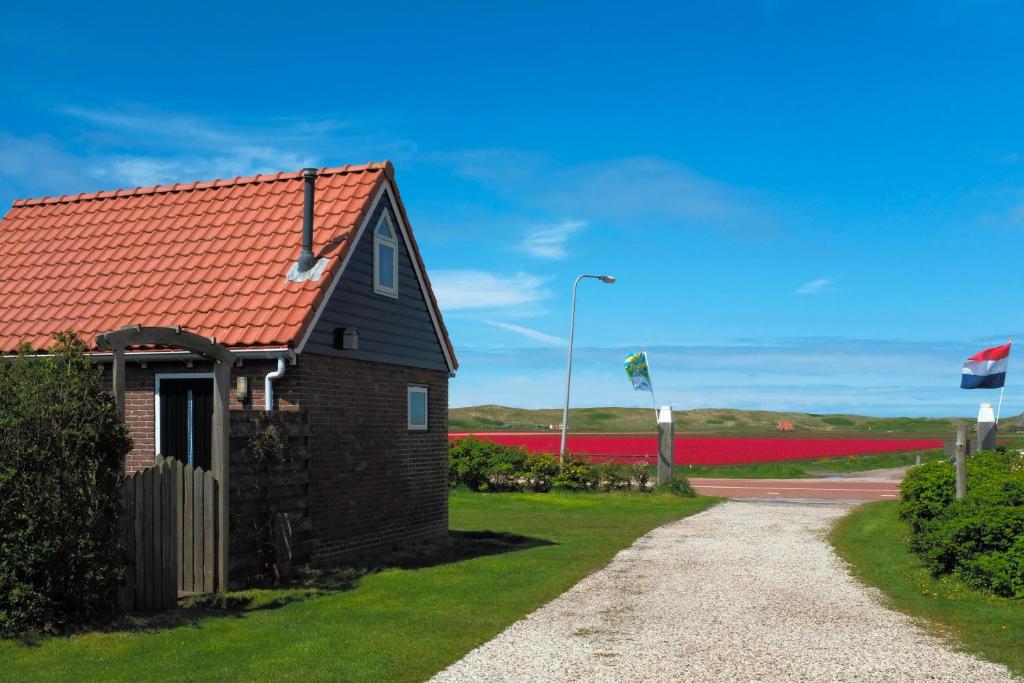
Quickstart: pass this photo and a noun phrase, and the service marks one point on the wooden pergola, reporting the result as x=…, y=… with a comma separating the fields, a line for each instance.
x=206, y=347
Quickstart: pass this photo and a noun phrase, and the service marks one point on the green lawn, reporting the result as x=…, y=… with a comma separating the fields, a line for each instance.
x=509, y=554
x=873, y=540
x=805, y=469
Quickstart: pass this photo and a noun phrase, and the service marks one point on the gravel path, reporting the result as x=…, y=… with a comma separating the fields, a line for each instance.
x=746, y=591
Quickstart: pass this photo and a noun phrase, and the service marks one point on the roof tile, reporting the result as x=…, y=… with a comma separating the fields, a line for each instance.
x=210, y=256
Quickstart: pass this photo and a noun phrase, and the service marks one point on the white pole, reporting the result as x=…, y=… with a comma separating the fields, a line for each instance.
x=568, y=371
x=654, y=401
x=607, y=279
x=1003, y=388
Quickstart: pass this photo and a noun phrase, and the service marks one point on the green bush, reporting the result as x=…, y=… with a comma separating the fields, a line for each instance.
x=641, y=475
x=469, y=463
x=486, y=466
x=541, y=469
x=678, y=485
x=980, y=539
x=508, y=468
x=927, y=492
x=615, y=476
x=61, y=452
x=576, y=474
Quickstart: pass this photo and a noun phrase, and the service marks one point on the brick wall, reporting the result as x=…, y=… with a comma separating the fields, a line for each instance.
x=140, y=404
x=374, y=484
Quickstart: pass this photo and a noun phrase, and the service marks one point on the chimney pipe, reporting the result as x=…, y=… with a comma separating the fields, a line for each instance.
x=306, y=258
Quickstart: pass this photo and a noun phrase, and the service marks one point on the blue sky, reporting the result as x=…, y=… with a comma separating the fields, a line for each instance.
x=807, y=206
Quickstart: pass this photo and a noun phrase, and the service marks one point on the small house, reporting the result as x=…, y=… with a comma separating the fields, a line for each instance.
x=313, y=281
x=784, y=426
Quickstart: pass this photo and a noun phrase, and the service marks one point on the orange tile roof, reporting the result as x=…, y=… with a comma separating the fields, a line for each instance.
x=209, y=256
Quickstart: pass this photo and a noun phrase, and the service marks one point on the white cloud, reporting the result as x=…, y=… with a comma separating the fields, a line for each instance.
x=629, y=191
x=822, y=284
x=479, y=289
x=129, y=146
x=171, y=147
x=549, y=241
x=38, y=164
x=528, y=332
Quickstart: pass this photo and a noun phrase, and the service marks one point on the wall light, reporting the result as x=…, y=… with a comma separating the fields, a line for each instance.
x=242, y=388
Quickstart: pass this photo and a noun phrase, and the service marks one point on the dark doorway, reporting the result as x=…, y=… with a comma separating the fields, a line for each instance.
x=186, y=420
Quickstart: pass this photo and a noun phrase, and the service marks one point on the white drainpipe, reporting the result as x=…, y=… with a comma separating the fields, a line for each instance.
x=268, y=384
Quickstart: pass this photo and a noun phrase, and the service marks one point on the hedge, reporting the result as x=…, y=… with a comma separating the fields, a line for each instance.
x=487, y=466
x=61, y=448
x=979, y=539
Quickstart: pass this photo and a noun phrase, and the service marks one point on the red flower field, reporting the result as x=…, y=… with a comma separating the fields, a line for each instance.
x=707, y=450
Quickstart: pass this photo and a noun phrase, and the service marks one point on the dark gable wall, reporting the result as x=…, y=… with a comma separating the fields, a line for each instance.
x=396, y=331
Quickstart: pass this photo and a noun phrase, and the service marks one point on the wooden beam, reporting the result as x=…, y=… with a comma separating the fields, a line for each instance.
x=136, y=335
x=219, y=464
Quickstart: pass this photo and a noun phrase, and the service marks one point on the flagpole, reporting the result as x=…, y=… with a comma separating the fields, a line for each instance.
x=1003, y=388
x=650, y=375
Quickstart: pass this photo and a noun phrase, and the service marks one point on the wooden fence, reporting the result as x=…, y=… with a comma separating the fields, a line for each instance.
x=170, y=528
x=170, y=520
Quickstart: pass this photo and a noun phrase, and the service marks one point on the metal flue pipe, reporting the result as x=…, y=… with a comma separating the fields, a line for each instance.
x=306, y=258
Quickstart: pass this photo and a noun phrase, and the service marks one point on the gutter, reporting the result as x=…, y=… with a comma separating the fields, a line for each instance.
x=268, y=384
x=156, y=356
x=280, y=355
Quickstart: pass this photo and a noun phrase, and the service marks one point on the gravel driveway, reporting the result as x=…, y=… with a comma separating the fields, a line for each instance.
x=746, y=591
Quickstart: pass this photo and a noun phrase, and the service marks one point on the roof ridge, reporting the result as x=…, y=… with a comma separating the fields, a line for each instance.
x=385, y=166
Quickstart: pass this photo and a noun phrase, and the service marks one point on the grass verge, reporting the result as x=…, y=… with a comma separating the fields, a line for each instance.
x=508, y=554
x=809, y=469
x=873, y=540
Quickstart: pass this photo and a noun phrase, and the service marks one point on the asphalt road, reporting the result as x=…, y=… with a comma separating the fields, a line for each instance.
x=798, y=489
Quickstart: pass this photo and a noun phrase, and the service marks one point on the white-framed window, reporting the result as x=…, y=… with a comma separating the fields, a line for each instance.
x=385, y=258
x=418, y=409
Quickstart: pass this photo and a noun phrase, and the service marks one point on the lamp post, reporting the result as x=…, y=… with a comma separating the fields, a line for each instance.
x=607, y=279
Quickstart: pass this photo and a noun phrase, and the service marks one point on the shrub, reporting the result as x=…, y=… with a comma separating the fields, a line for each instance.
x=678, y=485
x=927, y=491
x=507, y=468
x=1000, y=572
x=486, y=466
x=615, y=476
x=980, y=538
x=469, y=463
x=576, y=474
x=540, y=471
x=61, y=452
x=641, y=475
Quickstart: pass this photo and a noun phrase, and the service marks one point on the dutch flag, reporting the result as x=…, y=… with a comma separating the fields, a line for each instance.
x=986, y=369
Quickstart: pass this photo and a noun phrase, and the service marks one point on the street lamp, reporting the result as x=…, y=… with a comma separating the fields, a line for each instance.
x=607, y=279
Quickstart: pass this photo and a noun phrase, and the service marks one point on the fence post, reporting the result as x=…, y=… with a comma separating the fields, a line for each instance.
x=961, y=461
x=666, y=443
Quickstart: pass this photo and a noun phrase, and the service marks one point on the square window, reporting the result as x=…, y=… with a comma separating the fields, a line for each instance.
x=417, y=408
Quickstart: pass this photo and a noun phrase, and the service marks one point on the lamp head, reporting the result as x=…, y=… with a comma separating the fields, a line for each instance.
x=607, y=278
